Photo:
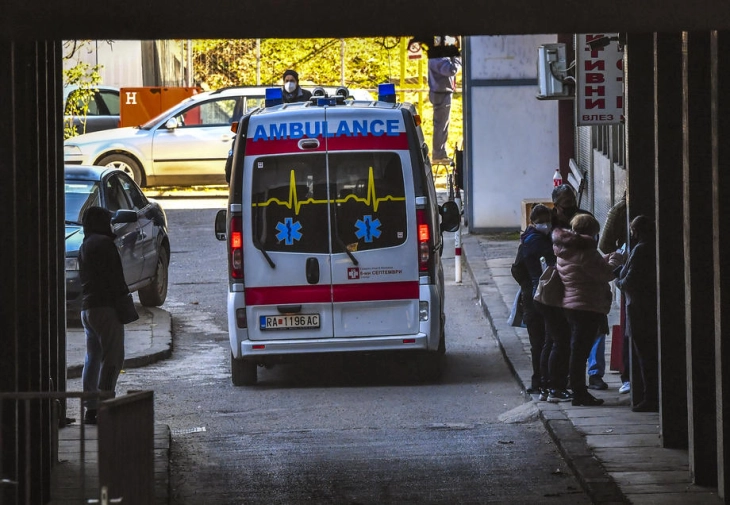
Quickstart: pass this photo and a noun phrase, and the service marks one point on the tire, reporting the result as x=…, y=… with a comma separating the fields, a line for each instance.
x=125, y=164
x=155, y=293
x=243, y=372
x=431, y=363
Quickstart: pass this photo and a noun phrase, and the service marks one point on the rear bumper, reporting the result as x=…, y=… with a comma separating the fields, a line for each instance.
x=252, y=350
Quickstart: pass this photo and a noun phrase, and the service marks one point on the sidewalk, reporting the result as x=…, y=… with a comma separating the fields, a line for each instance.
x=146, y=341
x=616, y=453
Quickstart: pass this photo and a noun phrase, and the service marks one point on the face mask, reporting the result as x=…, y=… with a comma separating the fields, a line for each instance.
x=543, y=228
x=290, y=86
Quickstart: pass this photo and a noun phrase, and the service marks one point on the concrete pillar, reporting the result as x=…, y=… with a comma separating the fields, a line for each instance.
x=640, y=146
x=720, y=45
x=33, y=335
x=698, y=247
x=670, y=248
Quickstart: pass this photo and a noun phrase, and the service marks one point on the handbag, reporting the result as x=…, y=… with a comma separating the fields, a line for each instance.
x=126, y=313
x=550, y=289
x=518, y=311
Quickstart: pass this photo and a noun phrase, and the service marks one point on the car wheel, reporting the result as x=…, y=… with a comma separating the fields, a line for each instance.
x=155, y=293
x=243, y=372
x=431, y=363
x=125, y=164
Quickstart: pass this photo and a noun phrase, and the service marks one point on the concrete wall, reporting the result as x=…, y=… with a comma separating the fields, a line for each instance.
x=512, y=137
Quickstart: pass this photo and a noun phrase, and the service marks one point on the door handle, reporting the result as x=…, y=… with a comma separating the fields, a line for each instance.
x=312, y=270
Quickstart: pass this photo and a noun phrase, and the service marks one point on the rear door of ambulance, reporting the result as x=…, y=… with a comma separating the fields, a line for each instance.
x=286, y=239
x=375, y=288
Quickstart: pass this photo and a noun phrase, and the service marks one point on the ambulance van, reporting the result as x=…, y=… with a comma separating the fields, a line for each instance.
x=334, y=234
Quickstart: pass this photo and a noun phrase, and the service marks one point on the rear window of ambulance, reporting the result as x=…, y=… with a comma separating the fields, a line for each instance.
x=294, y=202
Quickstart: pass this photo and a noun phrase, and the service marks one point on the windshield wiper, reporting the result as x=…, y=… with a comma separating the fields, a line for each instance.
x=76, y=223
x=349, y=253
x=260, y=247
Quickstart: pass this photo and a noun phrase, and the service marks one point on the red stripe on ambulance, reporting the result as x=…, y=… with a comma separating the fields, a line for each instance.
x=342, y=143
x=376, y=291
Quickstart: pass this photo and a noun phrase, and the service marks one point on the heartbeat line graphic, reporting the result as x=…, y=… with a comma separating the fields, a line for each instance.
x=371, y=199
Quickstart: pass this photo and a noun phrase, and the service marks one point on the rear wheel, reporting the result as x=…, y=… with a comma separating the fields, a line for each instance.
x=431, y=363
x=155, y=293
x=125, y=164
x=243, y=372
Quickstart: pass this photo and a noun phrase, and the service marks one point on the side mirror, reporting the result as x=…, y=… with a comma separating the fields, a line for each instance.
x=450, y=216
x=124, y=216
x=171, y=123
x=221, y=219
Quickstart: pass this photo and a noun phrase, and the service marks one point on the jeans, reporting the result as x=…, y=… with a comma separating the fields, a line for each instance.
x=597, y=357
x=104, y=351
x=441, y=118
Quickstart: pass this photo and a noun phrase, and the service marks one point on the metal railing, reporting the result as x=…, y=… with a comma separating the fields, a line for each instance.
x=125, y=428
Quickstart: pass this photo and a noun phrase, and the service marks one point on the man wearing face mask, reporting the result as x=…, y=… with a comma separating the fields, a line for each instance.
x=535, y=243
x=292, y=92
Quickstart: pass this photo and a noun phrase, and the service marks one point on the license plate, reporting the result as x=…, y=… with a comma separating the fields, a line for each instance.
x=292, y=322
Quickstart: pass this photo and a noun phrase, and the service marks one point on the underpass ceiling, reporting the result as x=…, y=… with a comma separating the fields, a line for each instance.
x=166, y=19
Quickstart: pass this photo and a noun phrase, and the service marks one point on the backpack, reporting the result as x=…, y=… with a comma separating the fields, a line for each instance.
x=519, y=269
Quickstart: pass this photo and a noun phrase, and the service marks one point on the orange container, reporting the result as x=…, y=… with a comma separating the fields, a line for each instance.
x=138, y=105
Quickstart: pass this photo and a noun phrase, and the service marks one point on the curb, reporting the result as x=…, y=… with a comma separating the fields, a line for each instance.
x=591, y=474
x=161, y=348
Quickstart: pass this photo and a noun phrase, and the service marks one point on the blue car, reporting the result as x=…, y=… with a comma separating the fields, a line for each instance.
x=139, y=223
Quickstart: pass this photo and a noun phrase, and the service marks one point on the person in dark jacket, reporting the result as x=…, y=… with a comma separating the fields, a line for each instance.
x=637, y=280
x=535, y=243
x=102, y=283
x=291, y=91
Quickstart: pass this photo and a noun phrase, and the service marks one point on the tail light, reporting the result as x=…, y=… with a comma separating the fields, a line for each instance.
x=424, y=241
x=236, y=247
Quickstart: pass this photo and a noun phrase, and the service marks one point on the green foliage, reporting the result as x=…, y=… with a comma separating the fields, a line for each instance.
x=87, y=78
x=363, y=62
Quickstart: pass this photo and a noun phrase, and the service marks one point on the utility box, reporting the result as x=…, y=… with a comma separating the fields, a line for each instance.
x=552, y=73
x=139, y=105
x=528, y=204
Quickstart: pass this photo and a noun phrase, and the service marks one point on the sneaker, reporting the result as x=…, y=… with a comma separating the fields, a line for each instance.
x=559, y=395
x=543, y=395
x=587, y=400
x=625, y=388
x=596, y=382
x=532, y=391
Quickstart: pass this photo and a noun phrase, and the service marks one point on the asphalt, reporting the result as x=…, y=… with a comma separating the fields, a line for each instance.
x=616, y=453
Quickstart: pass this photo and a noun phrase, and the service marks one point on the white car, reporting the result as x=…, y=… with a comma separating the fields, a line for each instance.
x=186, y=145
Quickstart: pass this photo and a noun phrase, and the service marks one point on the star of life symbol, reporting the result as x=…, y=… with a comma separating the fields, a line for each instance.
x=288, y=231
x=367, y=228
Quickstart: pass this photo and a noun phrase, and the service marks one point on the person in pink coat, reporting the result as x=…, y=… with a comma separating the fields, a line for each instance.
x=586, y=275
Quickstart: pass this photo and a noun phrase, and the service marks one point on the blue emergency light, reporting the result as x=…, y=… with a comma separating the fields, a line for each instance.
x=386, y=92
x=274, y=96
x=322, y=101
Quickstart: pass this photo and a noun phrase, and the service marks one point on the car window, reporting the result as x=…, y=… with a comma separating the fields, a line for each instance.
x=111, y=101
x=134, y=194
x=80, y=195
x=212, y=113
x=116, y=198
x=289, y=203
x=253, y=103
x=370, y=204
